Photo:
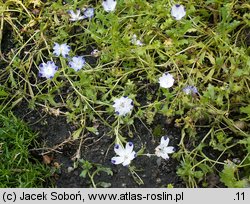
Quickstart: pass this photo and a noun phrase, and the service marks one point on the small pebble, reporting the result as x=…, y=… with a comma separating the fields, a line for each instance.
x=158, y=161
x=158, y=180
x=70, y=169
x=240, y=124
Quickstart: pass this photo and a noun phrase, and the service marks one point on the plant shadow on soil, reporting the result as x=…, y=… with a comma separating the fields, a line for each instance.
x=56, y=132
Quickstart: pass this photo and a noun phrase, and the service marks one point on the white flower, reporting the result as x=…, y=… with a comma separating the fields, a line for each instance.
x=163, y=150
x=125, y=156
x=190, y=90
x=166, y=80
x=123, y=105
x=95, y=53
x=88, y=12
x=134, y=41
x=75, y=16
x=47, y=70
x=109, y=5
x=178, y=11
x=77, y=63
x=62, y=49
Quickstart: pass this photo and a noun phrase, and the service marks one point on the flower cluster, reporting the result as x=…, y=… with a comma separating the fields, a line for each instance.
x=123, y=105
x=126, y=155
x=49, y=69
x=76, y=16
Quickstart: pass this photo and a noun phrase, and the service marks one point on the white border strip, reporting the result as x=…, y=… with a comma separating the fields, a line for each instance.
x=125, y=195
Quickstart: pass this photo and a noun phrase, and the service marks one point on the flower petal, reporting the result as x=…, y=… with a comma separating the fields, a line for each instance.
x=132, y=155
x=169, y=150
x=164, y=141
x=119, y=150
x=129, y=148
x=117, y=160
x=165, y=156
x=126, y=162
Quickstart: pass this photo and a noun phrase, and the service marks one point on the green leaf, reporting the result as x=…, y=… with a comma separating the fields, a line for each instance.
x=77, y=133
x=245, y=110
x=3, y=93
x=209, y=76
x=105, y=169
x=227, y=176
x=92, y=129
x=104, y=184
x=158, y=131
x=84, y=173
x=141, y=151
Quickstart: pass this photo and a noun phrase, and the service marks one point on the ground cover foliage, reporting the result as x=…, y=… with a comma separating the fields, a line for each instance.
x=17, y=167
x=126, y=51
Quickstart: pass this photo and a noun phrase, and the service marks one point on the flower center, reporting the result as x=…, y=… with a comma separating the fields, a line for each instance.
x=125, y=157
x=78, y=63
x=88, y=13
x=122, y=105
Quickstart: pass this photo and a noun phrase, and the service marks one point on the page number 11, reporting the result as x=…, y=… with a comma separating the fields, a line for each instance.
x=240, y=196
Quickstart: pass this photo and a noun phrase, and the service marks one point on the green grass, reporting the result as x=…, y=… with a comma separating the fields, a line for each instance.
x=17, y=167
x=208, y=48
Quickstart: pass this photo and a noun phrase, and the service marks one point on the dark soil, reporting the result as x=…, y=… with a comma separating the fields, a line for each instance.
x=54, y=133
